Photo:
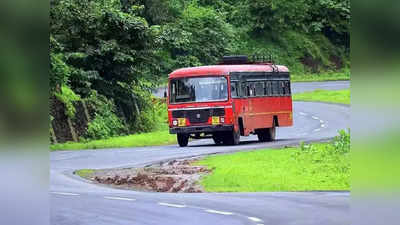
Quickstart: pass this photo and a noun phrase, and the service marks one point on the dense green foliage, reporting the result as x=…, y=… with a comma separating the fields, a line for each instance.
x=123, y=48
x=105, y=123
x=67, y=96
x=318, y=166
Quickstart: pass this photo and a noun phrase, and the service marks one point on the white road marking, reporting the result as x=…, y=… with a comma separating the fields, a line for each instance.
x=172, y=205
x=316, y=130
x=321, y=121
x=255, y=219
x=322, y=125
x=303, y=114
x=219, y=212
x=65, y=193
x=119, y=198
x=315, y=118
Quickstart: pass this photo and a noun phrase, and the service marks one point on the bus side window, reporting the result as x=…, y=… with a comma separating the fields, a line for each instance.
x=252, y=89
x=282, y=88
x=268, y=88
x=259, y=88
x=234, y=90
x=275, y=88
x=244, y=89
x=287, y=88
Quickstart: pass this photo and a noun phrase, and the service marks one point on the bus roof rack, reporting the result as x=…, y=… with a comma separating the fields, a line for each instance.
x=243, y=59
x=262, y=59
x=234, y=59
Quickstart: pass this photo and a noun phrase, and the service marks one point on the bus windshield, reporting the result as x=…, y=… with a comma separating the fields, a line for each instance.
x=198, y=89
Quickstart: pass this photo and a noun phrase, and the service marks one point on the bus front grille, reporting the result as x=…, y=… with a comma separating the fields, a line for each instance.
x=198, y=115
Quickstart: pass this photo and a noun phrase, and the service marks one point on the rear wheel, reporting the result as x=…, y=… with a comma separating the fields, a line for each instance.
x=267, y=134
x=183, y=139
x=231, y=138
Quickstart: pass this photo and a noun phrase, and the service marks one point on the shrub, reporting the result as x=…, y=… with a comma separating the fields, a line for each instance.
x=153, y=118
x=68, y=96
x=341, y=143
x=105, y=123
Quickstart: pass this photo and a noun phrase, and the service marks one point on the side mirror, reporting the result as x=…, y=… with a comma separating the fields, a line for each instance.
x=165, y=94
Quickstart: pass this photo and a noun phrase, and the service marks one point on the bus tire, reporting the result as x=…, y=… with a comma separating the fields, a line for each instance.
x=218, y=139
x=232, y=138
x=272, y=133
x=267, y=134
x=183, y=139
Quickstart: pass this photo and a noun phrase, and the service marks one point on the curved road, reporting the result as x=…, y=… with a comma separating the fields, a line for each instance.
x=76, y=201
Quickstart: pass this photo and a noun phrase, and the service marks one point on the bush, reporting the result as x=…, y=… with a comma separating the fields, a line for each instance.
x=341, y=143
x=105, y=123
x=154, y=117
x=68, y=96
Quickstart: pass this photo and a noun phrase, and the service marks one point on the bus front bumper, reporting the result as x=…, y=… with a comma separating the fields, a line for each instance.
x=200, y=129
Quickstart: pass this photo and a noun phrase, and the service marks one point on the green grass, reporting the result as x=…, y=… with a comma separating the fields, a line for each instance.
x=320, y=77
x=161, y=137
x=84, y=173
x=290, y=169
x=339, y=96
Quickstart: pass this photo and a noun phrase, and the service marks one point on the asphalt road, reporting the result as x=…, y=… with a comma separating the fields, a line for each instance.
x=76, y=201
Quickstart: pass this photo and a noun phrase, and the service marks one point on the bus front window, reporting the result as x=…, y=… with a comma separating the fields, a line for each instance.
x=198, y=89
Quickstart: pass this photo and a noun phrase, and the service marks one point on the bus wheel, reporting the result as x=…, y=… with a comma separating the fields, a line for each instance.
x=218, y=139
x=267, y=134
x=183, y=139
x=272, y=133
x=232, y=138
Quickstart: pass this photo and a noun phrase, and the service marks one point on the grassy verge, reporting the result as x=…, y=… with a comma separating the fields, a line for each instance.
x=161, y=137
x=345, y=75
x=84, y=173
x=323, y=166
x=339, y=96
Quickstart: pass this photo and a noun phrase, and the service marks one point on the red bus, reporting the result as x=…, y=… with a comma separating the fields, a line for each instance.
x=223, y=102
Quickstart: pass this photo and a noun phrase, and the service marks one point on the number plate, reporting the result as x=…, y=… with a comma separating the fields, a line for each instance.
x=215, y=120
x=181, y=122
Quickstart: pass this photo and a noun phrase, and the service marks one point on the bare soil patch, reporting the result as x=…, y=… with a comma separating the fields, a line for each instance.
x=170, y=176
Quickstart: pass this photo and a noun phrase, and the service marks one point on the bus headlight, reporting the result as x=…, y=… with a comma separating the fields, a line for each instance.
x=175, y=122
x=222, y=120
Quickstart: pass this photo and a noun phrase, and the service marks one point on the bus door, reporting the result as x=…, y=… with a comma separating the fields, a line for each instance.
x=245, y=108
x=251, y=119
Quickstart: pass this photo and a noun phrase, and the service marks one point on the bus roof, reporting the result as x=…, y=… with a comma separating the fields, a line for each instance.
x=218, y=70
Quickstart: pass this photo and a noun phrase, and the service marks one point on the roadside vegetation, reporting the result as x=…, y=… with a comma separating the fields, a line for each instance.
x=310, y=167
x=326, y=76
x=159, y=135
x=155, y=138
x=332, y=96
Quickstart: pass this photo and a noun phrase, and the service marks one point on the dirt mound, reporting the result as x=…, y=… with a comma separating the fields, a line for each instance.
x=171, y=176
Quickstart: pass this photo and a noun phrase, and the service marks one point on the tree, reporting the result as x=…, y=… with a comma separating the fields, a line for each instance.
x=105, y=48
x=201, y=36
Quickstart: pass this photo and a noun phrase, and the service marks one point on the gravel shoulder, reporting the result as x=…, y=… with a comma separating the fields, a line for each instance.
x=176, y=176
